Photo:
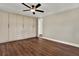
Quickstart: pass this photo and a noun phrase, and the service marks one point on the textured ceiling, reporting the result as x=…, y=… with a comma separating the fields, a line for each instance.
x=49, y=8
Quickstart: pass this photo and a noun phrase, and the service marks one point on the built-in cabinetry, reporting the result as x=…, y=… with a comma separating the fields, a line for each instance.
x=29, y=27
x=19, y=27
x=16, y=27
x=12, y=27
x=3, y=27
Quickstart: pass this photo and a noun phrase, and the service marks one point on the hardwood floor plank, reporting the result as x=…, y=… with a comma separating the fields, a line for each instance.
x=37, y=47
x=11, y=49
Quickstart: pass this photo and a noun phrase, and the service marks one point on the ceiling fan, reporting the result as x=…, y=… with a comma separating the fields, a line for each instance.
x=33, y=8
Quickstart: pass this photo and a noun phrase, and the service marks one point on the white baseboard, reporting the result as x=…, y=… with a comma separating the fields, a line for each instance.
x=68, y=43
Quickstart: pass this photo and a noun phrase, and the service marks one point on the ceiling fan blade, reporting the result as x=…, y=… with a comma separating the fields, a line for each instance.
x=38, y=5
x=26, y=5
x=34, y=13
x=39, y=11
x=26, y=10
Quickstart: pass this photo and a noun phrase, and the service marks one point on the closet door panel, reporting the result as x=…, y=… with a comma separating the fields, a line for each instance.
x=33, y=27
x=19, y=27
x=25, y=28
x=3, y=27
x=12, y=27
x=29, y=27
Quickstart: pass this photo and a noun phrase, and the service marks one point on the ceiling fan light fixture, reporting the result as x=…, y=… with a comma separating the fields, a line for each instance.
x=32, y=10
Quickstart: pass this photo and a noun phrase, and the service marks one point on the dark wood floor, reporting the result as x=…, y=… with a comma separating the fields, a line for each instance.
x=37, y=47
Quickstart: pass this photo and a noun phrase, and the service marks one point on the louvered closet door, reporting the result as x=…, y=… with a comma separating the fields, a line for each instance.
x=3, y=27
x=12, y=27
x=19, y=27
x=29, y=27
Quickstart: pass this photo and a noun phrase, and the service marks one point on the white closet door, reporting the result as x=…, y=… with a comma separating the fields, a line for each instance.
x=3, y=27
x=34, y=26
x=28, y=27
x=19, y=27
x=12, y=27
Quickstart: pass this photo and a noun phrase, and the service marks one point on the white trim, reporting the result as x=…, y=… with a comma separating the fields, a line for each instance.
x=68, y=43
x=40, y=26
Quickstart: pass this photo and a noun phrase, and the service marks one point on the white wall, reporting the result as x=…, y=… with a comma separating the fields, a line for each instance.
x=16, y=27
x=63, y=26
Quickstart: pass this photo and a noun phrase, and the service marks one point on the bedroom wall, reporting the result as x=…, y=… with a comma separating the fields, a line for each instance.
x=62, y=26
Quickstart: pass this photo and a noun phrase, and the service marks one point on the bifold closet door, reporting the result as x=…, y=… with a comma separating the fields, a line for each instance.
x=19, y=27
x=3, y=27
x=12, y=27
x=29, y=27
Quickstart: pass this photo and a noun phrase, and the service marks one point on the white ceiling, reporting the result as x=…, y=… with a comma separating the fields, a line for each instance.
x=49, y=8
